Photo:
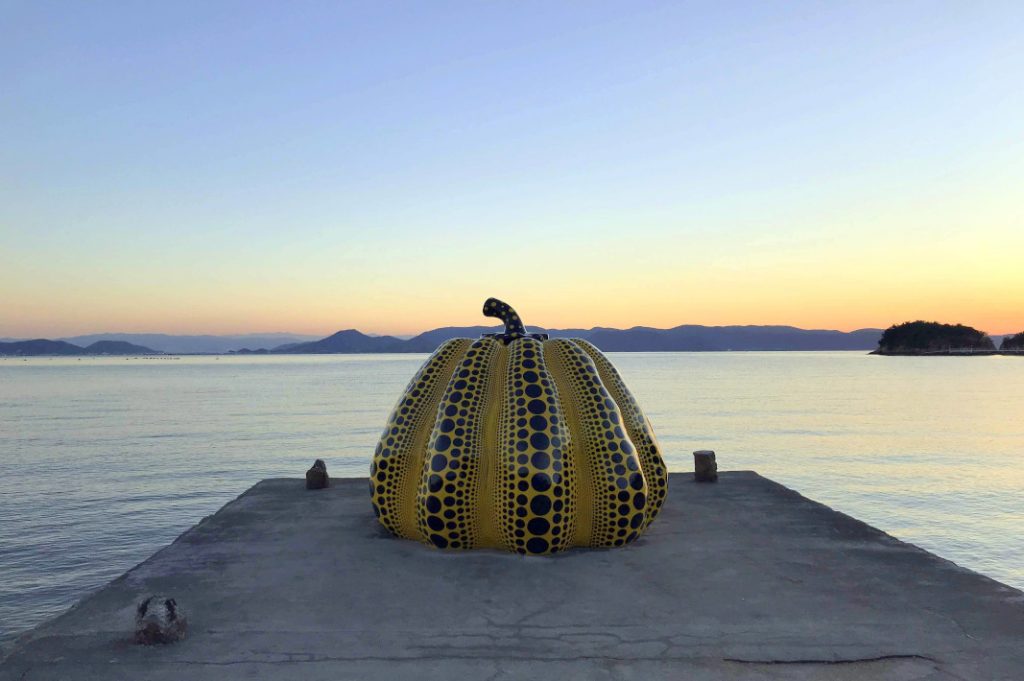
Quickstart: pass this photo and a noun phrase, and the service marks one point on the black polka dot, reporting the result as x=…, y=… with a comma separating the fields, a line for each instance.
x=536, y=545
x=538, y=526
x=540, y=504
x=539, y=441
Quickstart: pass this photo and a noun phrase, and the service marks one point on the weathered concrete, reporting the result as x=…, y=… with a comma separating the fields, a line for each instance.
x=740, y=580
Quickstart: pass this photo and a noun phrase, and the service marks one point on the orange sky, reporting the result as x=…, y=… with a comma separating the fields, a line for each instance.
x=655, y=165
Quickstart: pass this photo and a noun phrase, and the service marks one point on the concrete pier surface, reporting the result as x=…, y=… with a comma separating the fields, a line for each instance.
x=741, y=579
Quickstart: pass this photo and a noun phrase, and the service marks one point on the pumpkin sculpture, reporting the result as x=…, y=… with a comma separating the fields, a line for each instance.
x=518, y=442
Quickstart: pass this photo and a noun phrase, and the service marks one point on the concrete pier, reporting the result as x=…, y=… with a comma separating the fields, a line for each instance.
x=744, y=579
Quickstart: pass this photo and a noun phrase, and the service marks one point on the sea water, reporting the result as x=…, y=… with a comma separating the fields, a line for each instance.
x=103, y=461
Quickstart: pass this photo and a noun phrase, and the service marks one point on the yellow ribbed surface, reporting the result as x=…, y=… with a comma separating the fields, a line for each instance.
x=489, y=496
x=531, y=446
x=447, y=501
x=637, y=426
x=617, y=487
x=398, y=460
x=535, y=475
x=583, y=501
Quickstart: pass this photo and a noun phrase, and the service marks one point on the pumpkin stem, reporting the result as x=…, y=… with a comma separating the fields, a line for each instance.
x=503, y=311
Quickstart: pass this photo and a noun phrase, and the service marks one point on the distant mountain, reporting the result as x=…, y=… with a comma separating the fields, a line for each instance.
x=429, y=340
x=108, y=347
x=692, y=337
x=203, y=344
x=686, y=338
x=347, y=341
x=39, y=346
x=279, y=348
x=43, y=347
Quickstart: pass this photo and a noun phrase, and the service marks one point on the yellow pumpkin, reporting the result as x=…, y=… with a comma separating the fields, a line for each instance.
x=517, y=442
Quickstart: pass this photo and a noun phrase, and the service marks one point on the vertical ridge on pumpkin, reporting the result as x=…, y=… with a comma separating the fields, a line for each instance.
x=490, y=493
x=446, y=506
x=637, y=426
x=398, y=459
x=536, y=473
x=582, y=483
x=619, y=488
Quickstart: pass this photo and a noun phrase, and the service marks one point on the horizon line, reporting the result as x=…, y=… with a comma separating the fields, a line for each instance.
x=417, y=333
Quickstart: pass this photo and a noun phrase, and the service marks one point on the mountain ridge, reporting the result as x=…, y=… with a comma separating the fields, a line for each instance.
x=44, y=347
x=195, y=343
x=682, y=338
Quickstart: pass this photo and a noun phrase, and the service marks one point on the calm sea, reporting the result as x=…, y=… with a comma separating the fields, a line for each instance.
x=104, y=461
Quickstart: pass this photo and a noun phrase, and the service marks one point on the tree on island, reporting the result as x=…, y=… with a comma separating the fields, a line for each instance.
x=1013, y=342
x=932, y=337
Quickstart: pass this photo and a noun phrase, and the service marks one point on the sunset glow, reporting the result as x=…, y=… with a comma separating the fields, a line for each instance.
x=637, y=164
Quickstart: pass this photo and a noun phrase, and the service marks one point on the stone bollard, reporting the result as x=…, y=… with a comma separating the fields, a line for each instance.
x=316, y=477
x=705, y=468
x=159, y=619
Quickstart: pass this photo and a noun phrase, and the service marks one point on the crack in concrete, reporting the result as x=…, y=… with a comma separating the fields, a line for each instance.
x=437, y=658
x=952, y=619
x=520, y=658
x=859, y=660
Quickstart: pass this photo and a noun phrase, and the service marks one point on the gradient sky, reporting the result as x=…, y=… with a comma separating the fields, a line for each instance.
x=225, y=167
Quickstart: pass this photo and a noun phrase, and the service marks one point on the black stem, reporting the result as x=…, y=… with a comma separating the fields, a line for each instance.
x=503, y=311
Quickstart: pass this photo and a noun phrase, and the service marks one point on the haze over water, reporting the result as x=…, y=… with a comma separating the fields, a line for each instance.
x=104, y=461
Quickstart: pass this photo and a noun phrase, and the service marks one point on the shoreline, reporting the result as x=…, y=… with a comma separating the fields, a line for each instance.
x=178, y=355
x=948, y=353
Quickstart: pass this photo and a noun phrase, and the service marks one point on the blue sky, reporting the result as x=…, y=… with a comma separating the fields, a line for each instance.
x=230, y=167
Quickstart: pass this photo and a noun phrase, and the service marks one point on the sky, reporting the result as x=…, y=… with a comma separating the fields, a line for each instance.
x=229, y=167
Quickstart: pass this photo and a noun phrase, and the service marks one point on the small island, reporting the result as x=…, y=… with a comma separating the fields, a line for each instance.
x=934, y=338
x=1014, y=344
